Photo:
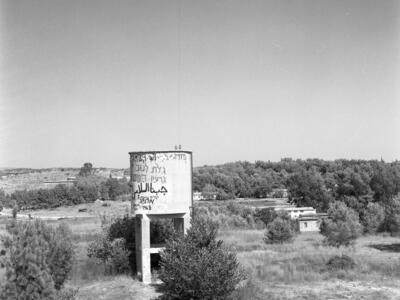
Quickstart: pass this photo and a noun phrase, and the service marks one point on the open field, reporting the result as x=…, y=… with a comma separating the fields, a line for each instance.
x=298, y=271
x=288, y=271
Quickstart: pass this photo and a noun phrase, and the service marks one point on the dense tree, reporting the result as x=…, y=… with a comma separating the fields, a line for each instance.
x=266, y=215
x=392, y=216
x=280, y=230
x=27, y=271
x=197, y=266
x=385, y=182
x=3, y=199
x=39, y=258
x=307, y=188
x=372, y=217
x=342, y=226
x=86, y=170
x=85, y=190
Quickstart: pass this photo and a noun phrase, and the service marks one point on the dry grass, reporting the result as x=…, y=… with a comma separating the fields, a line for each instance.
x=287, y=271
x=298, y=270
x=116, y=288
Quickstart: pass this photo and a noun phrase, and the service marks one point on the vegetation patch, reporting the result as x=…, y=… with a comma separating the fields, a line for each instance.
x=343, y=262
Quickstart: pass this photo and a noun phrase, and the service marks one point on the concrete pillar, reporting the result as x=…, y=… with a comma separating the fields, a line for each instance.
x=142, y=241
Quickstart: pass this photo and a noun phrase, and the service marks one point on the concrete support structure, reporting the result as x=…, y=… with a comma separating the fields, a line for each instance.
x=142, y=240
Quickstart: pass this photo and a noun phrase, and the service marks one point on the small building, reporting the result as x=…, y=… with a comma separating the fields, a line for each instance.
x=296, y=212
x=309, y=223
x=198, y=196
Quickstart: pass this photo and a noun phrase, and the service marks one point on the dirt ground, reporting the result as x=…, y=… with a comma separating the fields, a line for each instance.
x=117, y=288
x=121, y=287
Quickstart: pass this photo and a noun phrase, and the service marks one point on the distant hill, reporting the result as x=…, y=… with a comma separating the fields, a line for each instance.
x=13, y=179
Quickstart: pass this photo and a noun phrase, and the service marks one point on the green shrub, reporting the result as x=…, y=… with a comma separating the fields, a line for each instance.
x=115, y=247
x=279, y=231
x=114, y=254
x=15, y=210
x=100, y=248
x=118, y=262
x=197, y=266
x=342, y=226
x=392, y=217
x=373, y=217
x=27, y=270
x=59, y=247
x=61, y=254
x=343, y=262
x=266, y=215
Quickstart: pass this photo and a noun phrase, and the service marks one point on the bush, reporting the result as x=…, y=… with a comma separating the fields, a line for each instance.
x=342, y=226
x=197, y=266
x=373, y=217
x=118, y=262
x=61, y=253
x=392, y=217
x=114, y=254
x=266, y=215
x=115, y=247
x=100, y=248
x=343, y=262
x=59, y=249
x=280, y=230
x=27, y=269
x=3, y=199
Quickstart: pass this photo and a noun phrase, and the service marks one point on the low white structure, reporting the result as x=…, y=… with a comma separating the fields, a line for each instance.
x=198, y=196
x=296, y=212
x=309, y=223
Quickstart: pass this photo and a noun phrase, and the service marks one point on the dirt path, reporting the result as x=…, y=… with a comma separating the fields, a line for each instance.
x=117, y=288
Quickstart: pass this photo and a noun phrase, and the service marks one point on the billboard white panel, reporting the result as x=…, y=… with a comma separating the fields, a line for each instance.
x=161, y=182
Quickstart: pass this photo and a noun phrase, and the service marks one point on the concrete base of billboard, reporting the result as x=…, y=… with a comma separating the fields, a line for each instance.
x=142, y=240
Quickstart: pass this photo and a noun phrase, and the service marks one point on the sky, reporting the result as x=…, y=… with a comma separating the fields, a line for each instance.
x=89, y=81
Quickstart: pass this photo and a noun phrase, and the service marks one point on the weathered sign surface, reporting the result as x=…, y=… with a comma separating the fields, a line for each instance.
x=161, y=182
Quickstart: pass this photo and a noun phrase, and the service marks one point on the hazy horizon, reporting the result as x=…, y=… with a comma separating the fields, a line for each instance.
x=229, y=80
x=195, y=165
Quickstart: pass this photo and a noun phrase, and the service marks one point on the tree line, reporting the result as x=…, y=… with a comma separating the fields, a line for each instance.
x=311, y=182
x=87, y=188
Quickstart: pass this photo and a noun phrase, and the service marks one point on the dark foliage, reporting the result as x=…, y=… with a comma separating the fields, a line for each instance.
x=117, y=243
x=391, y=222
x=266, y=215
x=280, y=230
x=86, y=170
x=311, y=182
x=342, y=226
x=372, y=217
x=197, y=266
x=343, y=262
x=87, y=189
x=38, y=261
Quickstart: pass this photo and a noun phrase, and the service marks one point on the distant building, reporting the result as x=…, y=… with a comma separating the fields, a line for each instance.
x=307, y=217
x=309, y=223
x=296, y=212
x=52, y=184
x=198, y=196
x=278, y=193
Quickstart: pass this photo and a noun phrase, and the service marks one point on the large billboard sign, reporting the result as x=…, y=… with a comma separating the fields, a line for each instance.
x=161, y=182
